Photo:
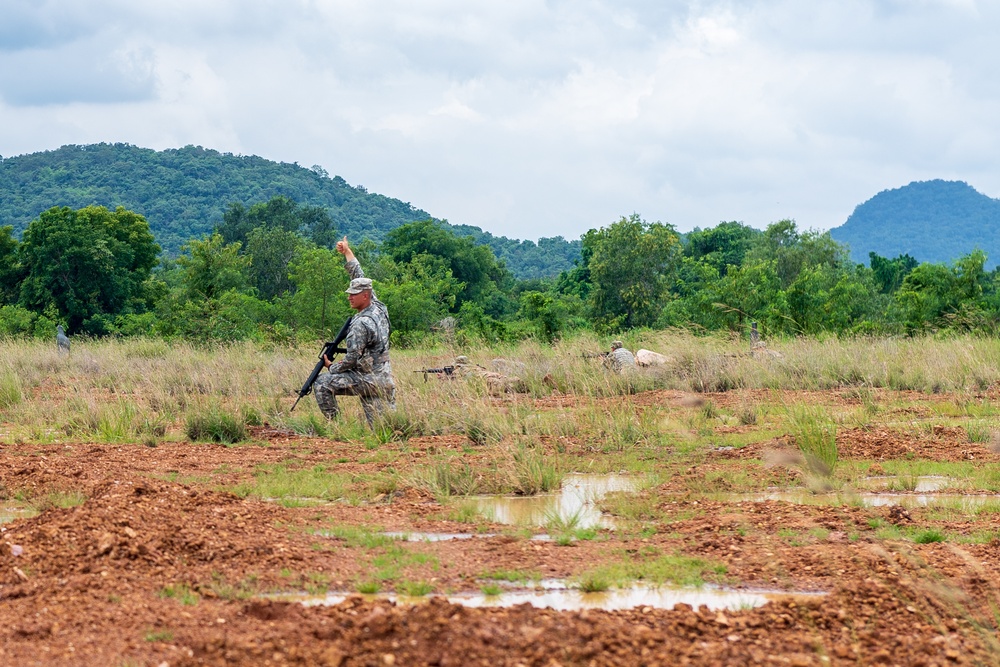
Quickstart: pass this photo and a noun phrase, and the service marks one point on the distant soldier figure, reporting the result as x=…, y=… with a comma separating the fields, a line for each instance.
x=620, y=359
x=496, y=383
x=758, y=347
x=62, y=340
x=365, y=370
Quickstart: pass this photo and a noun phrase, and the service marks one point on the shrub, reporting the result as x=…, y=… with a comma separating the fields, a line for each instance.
x=215, y=425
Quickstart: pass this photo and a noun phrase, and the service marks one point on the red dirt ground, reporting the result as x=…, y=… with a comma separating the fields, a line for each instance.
x=90, y=585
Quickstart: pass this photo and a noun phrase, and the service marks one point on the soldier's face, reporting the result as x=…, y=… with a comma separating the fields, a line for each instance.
x=361, y=300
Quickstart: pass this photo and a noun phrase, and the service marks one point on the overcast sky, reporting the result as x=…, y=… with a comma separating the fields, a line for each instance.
x=531, y=118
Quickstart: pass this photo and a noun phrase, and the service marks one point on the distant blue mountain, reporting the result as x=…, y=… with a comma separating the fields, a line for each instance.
x=932, y=221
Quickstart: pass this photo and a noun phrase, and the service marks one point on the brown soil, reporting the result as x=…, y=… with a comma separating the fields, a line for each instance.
x=101, y=583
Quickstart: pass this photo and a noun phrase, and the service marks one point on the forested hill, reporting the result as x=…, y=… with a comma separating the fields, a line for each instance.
x=932, y=221
x=184, y=192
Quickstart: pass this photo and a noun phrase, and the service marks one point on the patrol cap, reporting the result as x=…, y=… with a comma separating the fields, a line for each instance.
x=359, y=285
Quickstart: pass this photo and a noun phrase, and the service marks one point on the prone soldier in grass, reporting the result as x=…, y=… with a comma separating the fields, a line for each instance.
x=365, y=370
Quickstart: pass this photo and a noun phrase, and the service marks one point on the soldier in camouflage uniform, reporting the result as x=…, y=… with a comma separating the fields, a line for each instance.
x=620, y=359
x=365, y=370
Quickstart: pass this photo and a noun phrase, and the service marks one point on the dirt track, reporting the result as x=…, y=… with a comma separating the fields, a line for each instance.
x=105, y=582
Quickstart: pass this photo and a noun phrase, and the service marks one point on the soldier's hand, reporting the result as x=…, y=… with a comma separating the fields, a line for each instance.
x=342, y=246
x=326, y=361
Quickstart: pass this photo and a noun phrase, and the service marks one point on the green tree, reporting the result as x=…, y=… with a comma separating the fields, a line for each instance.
x=271, y=249
x=632, y=265
x=926, y=294
x=792, y=251
x=831, y=298
x=752, y=292
x=10, y=268
x=889, y=273
x=936, y=296
x=721, y=246
x=549, y=314
x=318, y=302
x=278, y=213
x=88, y=265
x=482, y=276
x=211, y=267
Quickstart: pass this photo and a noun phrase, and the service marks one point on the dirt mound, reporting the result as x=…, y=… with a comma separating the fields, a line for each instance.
x=941, y=444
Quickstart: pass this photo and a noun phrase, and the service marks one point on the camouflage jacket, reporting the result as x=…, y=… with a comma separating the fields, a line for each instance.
x=367, y=339
x=621, y=359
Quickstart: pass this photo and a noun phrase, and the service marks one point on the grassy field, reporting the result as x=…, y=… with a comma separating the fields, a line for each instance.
x=150, y=391
x=760, y=471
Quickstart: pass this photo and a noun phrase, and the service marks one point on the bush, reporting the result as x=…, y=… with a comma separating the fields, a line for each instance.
x=16, y=321
x=215, y=425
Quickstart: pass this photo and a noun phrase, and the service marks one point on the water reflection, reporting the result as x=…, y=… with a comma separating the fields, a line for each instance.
x=556, y=595
x=10, y=511
x=575, y=504
x=866, y=499
x=433, y=537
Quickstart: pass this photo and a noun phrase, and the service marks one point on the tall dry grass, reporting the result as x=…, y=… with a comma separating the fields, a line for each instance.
x=138, y=389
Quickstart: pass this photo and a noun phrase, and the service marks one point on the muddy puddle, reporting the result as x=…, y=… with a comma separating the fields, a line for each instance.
x=882, y=491
x=435, y=537
x=557, y=595
x=447, y=537
x=920, y=484
x=9, y=512
x=575, y=506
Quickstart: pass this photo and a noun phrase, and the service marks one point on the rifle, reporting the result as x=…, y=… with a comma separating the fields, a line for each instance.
x=594, y=355
x=447, y=370
x=330, y=348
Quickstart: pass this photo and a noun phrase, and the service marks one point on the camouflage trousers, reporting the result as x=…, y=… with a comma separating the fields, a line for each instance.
x=376, y=396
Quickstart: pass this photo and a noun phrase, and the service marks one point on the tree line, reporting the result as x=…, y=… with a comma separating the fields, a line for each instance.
x=267, y=272
x=184, y=192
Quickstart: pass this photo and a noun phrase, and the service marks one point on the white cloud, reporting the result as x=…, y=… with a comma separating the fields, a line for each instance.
x=532, y=118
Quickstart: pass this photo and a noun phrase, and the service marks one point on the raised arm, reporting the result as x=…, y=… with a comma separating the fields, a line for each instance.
x=352, y=265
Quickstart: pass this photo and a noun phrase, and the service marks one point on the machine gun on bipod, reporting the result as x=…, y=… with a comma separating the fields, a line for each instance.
x=446, y=370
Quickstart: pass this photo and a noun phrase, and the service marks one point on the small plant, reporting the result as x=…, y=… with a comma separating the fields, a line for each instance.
x=816, y=437
x=361, y=537
x=63, y=499
x=317, y=583
x=594, y=581
x=534, y=472
x=250, y=416
x=159, y=636
x=928, y=536
x=244, y=589
x=491, y=589
x=978, y=432
x=514, y=576
x=311, y=425
x=369, y=587
x=414, y=588
x=214, y=424
x=904, y=482
x=564, y=539
x=748, y=415
x=465, y=512
x=396, y=426
x=481, y=433
x=180, y=592
x=446, y=479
